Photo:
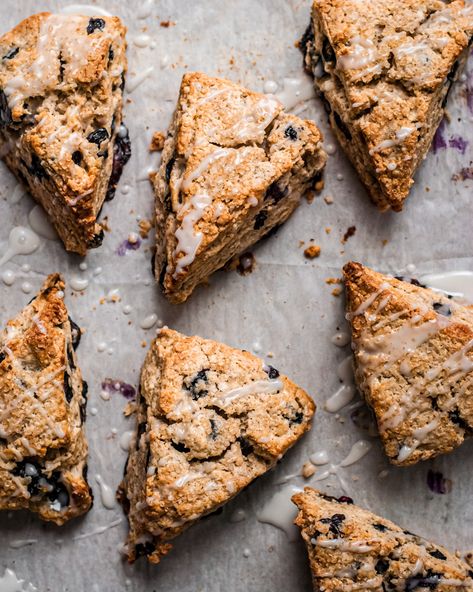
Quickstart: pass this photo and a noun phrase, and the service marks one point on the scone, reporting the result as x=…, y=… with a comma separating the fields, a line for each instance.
x=210, y=419
x=43, y=450
x=352, y=549
x=61, y=131
x=234, y=166
x=413, y=353
x=384, y=69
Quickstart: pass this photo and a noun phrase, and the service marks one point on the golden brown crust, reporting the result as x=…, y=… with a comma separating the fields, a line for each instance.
x=413, y=353
x=210, y=420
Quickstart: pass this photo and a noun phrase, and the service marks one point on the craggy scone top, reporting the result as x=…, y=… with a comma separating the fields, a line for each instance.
x=211, y=420
x=352, y=549
x=413, y=353
x=61, y=80
x=389, y=60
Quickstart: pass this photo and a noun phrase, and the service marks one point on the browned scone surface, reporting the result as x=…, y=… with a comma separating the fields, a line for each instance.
x=413, y=354
x=352, y=549
x=384, y=69
x=61, y=85
x=234, y=166
x=43, y=450
x=210, y=420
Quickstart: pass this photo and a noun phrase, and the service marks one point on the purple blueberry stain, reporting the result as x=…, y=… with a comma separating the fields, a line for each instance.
x=439, y=141
x=458, y=143
x=437, y=483
x=112, y=386
x=126, y=246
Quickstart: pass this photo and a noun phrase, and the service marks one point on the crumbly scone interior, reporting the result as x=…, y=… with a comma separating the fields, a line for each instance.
x=413, y=353
x=43, y=450
x=234, y=165
x=385, y=70
x=61, y=84
x=352, y=549
x=210, y=420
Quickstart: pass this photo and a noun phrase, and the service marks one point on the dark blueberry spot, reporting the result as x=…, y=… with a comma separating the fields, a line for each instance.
x=335, y=523
x=295, y=418
x=260, y=219
x=96, y=240
x=68, y=392
x=126, y=246
x=431, y=580
x=442, y=309
x=380, y=527
x=3, y=355
x=121, y=155
x=291, y=133
x=77, y=157
x=94, y=25
x=457, y=419
x=114, y=386
x=32, y=472
x=246, y=263
x=246, y=447
x=103, y=154
x=275, y=193
x=5, y=113
x=180, y=447
x=111, y=54
x=194, y=384
x=83, y=405
x=328, y=54
x=169, y=166
x=409, y=280
x=271, y=372
x=122, y=83
x=98, y=136
x=438, y=554
x=59, y=493
x=382, y=566
x=342, y=126
x=75, y=333
x=344, y=499
x=144, y=549
x=36, y=168
x=139, y=432
x=437, y=483
x=214, y=429
x=70, y=358
x=11, y=53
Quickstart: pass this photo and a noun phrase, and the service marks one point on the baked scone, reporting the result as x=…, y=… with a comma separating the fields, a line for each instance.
x=352, y=549
x=384, y=69
x=43, y=450
x=210, y=419
x=234, y=166
x=413, y=353
x=61, y=131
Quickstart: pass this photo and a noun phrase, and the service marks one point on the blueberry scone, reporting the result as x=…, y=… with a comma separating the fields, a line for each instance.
x=384, y=69
x=352, y=549
x=43, y=450
x=61, y=131
x=210, y=419
x=234, y=166
x=413, y=354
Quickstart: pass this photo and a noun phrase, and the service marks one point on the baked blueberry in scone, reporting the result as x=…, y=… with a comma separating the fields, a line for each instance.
x=61, y=131
x=234, y=166
x=413, y=354
x=43, y=450
x=210, y=419
x=384, y=69
x=352, y=549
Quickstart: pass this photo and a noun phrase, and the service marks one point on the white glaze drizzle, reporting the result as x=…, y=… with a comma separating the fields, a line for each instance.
x=10, y=583
x=107, y=494
x=258, y=387
x=280, y=512
x=21, y=241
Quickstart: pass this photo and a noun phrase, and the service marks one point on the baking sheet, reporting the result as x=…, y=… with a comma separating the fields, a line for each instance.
x=284, y=307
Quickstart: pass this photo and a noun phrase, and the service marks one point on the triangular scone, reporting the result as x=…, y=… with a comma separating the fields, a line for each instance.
x=413, y=352
x=61, y=132
x=234, y=167
x=352, y=549
x=384, y=69
x=210, y=420
x=43, y=450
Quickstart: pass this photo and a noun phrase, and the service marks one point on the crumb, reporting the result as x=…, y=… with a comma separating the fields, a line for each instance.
x=310, y=196
x=270, y=355
x=427, y=189
x=469, y=558
x=336, y=292
x=355, y=478
x=318, y=187
x=244, y=263
x=385, y=242
x=157, y=142
x=447, y=115
x=102, y=301
x=301, y=243
x=328, y=199
x=328, y=230
x=297, y=44
x=130, y=408
x=145, y=226
x=312, y=252
x=104, y=224
x=167, y=24
x=143, y=344
x=349, y=233
x=308, y=470
x=330, y=281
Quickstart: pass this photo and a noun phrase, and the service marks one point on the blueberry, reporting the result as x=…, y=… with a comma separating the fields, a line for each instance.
x=442, y=309
x=438, y=554
x=271, y=372
x=295, y=417
x=3, y=355
x=194, y=386
x=275, y=193
x=456, y=418
x=412, y=281
x=98, y=136
x=380, y=527
x=11, y=53
x=291, y=133
x=246, y=447
x=344, y=499
x=260, y=219
x=29, y=469
x=36, y=168
x=111, y=54
x=68, y=392
x=96, y=240
x=75, y=334
x=342, y=126
x=180, y=447
x=59, y=492
x=214, y=429
x=431, y=580
x=335, y=523
x=382, y=566
x=82, y=407
x=77, y=157
x=169, y=166
x=70, y=359
x=94, y=25
x=144, y=549
x=121, y=155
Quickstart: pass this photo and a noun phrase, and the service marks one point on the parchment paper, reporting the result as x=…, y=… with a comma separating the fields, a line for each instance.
x=284, y=307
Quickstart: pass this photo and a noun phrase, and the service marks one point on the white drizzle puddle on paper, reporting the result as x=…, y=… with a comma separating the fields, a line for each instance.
x=22, y=241
x=137, y=80
x=319, y=458
x=8, y=277
x=357, y=452
x=238, y=516
x=279, y=511
x=149, y=321
x=458, y=284
x=107, y=495
x=40, y=223
x=10, y=583
x=20, y=543
x=78, y=283
x=125, y=440
x=295, y=91
x=346, y=391
x=341, y=339
x=98, y=530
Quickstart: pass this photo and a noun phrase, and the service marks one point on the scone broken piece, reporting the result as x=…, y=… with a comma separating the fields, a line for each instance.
x=61, y=131
x=210, y=420
x=384, y=69
x=413, y=353
x=43, y=450
x=234, y=167
x=352, y=549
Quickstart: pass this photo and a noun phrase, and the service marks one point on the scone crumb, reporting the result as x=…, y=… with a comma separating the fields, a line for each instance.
x=328, y=230
x=312, y=252
x=157, y=142
x=308, y=469
x=130, y=408
x=331, y=280
x=145, y=226
x=143, y=344
x=319, y=186
x=244, y=263
x=328, y=199
x=167, y=24
x=336, y=292
x=349, y=233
